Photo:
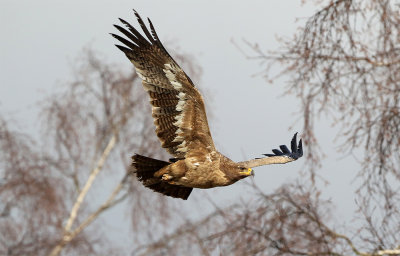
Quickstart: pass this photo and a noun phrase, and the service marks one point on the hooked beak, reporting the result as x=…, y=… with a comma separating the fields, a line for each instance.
x=249, y=172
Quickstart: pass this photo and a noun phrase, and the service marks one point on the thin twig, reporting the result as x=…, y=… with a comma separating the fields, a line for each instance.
x=100, y=163
x=89, y=182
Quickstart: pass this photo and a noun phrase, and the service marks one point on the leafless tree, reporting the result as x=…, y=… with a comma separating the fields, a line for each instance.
x=292, y=221
x=343, y=63
x=90, y=130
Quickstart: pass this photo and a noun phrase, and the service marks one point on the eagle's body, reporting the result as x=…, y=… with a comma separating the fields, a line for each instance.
x=202, y=171
x=181, y=124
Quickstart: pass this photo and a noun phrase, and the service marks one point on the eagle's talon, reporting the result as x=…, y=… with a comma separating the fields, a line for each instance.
x=167, y=177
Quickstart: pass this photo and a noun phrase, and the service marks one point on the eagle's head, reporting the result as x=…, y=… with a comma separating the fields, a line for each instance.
x=234, y=171
x=245, y=171
x=237, y=172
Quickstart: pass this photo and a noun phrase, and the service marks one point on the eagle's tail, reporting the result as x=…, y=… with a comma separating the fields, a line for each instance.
x=146, y=167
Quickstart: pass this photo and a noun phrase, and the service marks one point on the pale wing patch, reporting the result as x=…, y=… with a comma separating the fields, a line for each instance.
x=178, y=108
x=170, y=71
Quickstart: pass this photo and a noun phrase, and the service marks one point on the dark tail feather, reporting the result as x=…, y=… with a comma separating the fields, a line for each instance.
x=145, y=167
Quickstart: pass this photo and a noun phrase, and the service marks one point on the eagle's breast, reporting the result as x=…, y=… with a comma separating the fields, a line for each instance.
x=203, y=172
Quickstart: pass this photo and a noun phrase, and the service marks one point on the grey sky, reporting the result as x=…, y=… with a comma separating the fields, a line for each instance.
x=41, y=39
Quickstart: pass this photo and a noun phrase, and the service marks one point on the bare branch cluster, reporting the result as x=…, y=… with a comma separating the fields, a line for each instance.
x=27, y=181
x=345, y=63
x=292, y=221
x=90, y=130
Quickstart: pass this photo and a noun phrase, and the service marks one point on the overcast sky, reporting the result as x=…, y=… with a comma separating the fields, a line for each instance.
x=40, y=40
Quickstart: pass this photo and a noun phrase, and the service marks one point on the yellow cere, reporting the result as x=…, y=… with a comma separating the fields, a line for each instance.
x=248, y=172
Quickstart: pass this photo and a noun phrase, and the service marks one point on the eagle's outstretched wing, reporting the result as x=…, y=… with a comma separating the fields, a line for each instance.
x=178, y=108
x=282, y=156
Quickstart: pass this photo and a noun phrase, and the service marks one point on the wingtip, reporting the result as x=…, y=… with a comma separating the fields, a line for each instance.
x=293, y=143
x=123, y=49
x=296, y=149
x=268, y=155
x=284, y=149
x=123, y=22
x=137, y=14
x=300, y=147
x=117, y=27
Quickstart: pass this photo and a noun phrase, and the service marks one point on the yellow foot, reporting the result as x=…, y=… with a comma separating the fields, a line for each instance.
x=247, y=173
x=167, y=177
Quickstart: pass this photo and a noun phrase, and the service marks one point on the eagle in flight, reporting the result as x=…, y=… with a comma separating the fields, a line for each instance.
x=181, y=124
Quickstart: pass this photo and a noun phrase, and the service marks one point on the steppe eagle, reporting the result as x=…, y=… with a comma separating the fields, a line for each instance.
x=181, y=124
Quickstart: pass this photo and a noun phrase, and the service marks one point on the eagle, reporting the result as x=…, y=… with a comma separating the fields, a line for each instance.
x=181, y=124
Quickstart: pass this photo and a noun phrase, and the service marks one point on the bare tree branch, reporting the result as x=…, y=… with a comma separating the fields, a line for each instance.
x=44, y=188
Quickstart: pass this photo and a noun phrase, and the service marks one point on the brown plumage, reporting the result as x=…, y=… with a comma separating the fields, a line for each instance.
x=181, y=124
